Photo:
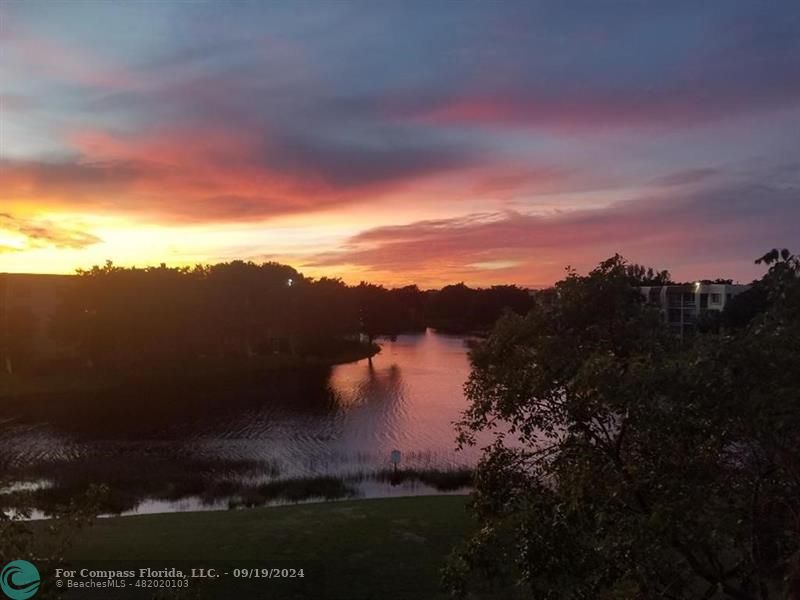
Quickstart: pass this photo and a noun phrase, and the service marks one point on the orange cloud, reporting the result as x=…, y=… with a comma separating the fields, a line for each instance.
x=39, y=233
x=200, y=174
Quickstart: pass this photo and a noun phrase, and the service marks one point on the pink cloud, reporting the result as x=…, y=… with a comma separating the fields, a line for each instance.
x=679, y=232
x=57, y=60
x=212, y=173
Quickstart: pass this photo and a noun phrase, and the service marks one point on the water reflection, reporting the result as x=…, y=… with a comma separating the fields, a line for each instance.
x=170, y=447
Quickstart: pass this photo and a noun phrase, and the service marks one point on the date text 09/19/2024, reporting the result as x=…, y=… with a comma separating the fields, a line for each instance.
x=173, y=573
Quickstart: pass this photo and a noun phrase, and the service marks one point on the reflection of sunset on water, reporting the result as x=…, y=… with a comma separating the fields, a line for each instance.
x=344, y=422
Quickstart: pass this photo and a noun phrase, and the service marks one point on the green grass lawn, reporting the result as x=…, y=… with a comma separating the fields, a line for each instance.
x=369, y=549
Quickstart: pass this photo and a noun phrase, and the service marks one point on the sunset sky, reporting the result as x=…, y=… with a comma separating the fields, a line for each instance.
x=430, y=142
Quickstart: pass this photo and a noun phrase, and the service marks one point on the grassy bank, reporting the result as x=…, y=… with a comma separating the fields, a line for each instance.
x=197, y=371
x=387, y=548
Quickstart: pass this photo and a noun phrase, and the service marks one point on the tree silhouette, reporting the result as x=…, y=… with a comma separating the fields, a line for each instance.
x=627, y=465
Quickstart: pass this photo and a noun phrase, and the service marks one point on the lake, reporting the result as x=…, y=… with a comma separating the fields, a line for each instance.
x=196, y=449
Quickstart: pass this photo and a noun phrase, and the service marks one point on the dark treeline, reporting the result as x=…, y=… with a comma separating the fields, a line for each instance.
x=113, y=318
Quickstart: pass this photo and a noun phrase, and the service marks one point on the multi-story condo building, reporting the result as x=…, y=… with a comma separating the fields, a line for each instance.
x=684, y=305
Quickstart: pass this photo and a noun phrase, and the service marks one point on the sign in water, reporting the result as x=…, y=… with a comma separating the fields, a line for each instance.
x=395, y=458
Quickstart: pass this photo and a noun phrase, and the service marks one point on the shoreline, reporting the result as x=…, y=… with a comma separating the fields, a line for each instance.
x=196, y=372
x=274, y=493
x=277, y=505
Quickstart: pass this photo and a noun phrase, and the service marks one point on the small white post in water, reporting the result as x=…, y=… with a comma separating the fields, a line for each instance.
x=395, y=458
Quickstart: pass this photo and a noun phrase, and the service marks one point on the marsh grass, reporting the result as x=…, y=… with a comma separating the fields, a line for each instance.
x=293, y=491
x=133, y=480
x=444, y=480
x=302, y=489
